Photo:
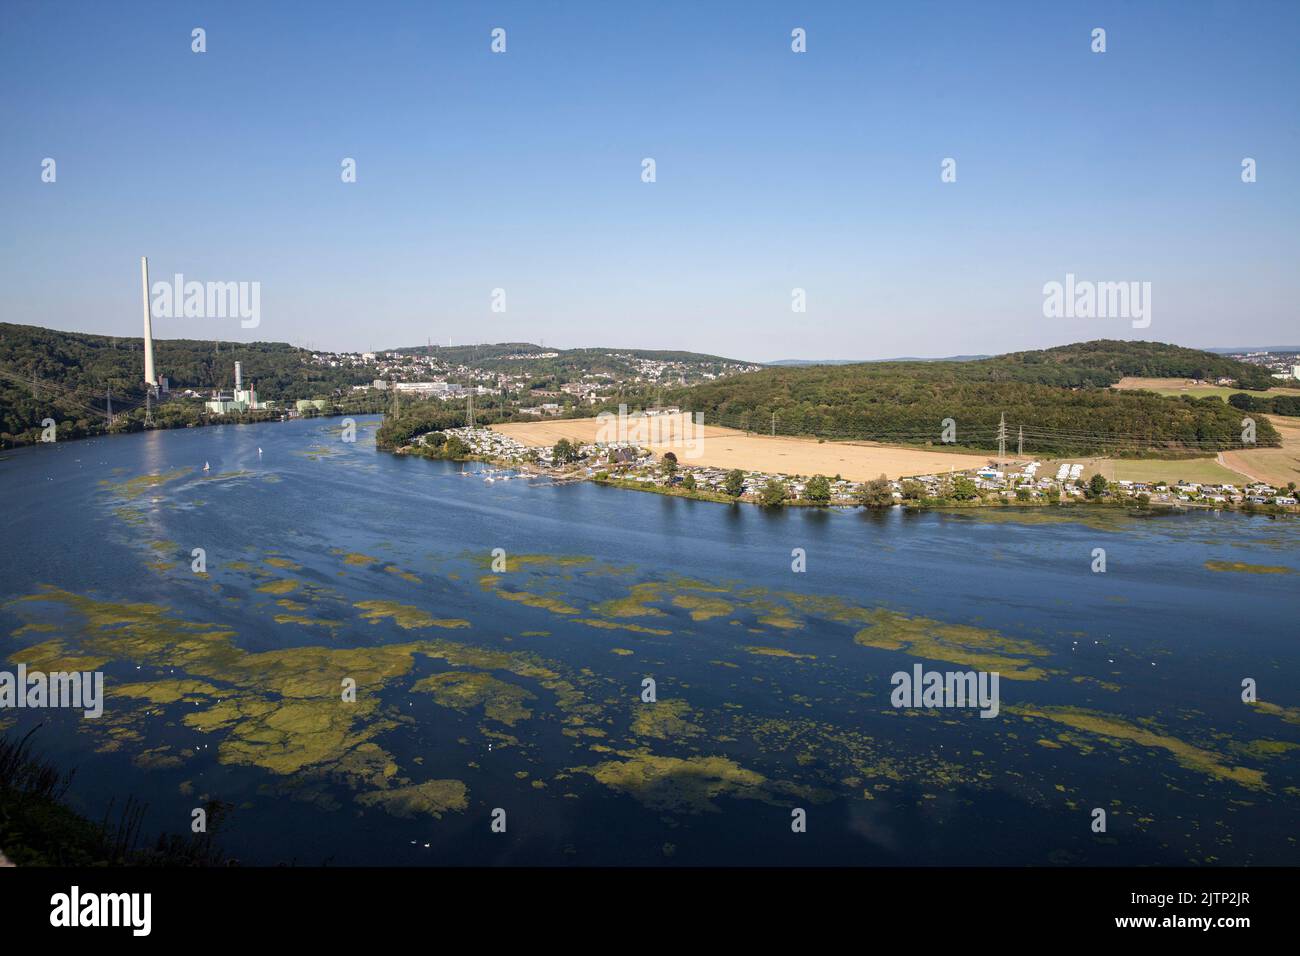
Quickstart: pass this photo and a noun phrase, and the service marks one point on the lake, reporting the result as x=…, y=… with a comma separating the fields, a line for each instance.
x=378, y=657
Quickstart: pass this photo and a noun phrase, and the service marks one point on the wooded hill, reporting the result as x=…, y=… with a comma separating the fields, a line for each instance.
x=1060, y=398
x=45, y=373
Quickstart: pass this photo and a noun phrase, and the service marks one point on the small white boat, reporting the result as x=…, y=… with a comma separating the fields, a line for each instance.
x=206, y=466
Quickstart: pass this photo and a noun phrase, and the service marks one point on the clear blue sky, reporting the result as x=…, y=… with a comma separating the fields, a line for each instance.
x=775, y=170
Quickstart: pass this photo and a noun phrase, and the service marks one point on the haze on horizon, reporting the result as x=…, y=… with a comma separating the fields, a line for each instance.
x=522, y=171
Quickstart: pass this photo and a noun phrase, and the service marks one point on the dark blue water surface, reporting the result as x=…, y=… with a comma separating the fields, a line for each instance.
x=522, y=691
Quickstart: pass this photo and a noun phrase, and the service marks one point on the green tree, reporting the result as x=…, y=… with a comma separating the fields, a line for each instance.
x=1097, y=486
x=913, y=490
x=876, y=493
x=963, y=489
x=563, y=452
x=453, y=447
x=734, y=483
x=818, y=489
x=773, y=493
x=688, y=482
x=669, y=463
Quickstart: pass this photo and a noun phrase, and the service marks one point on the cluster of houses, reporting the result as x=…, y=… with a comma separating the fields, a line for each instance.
x=629, y=461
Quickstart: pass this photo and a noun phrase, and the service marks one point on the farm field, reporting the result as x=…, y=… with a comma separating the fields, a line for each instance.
x=1277, y=466
x=1202, y=470
x=729, y=448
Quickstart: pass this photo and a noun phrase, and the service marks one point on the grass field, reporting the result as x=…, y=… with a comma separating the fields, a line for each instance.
x=728, y=448
x=1202, y=470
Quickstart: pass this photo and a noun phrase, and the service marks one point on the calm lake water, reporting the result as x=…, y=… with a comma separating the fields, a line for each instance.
x=328, y=562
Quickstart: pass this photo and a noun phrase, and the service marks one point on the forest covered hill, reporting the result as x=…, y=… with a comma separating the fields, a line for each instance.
x=1060, y=398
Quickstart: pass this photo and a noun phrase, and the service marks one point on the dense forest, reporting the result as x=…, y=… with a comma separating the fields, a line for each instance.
x=1059, y=398
x=66, y=376
x=1269, y=404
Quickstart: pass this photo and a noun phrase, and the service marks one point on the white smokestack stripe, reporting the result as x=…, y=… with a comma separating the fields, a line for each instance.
x=148, y=323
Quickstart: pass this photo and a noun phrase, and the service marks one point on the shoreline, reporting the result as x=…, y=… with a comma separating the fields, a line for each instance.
x=922, y=504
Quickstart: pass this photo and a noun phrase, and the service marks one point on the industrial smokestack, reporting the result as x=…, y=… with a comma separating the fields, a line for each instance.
x=149, y=378
x=239, y=376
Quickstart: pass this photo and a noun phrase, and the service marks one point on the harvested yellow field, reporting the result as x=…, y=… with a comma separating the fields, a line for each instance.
x=728, y=448
x=1277, y=466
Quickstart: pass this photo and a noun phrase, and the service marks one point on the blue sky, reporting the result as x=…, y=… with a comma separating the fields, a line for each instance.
x=775, y=170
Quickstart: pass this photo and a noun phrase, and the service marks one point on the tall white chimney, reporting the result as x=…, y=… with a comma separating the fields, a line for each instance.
x=239, y=377
x=148, y=324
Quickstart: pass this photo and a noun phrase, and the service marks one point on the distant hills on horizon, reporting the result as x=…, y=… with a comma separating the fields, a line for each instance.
x=976, y=358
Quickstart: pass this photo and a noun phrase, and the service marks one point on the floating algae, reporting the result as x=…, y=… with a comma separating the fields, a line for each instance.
x=404, y=575
x=1244, y=568
x=957, y=643
x=284, y=563
x=617, y=626
x=306, y=621
x=702, y=608
x=462, y=690
x=135, y=487
x=635, y=604
x=1289, y=714
x=1115, y=729
x=552, y=604
x=779, y=652
x=280, y=586
x=166, y=691
x=685, y=784
x=434, y=797
x=516, y=561
x=280, y=710
x=665, y=719
x=405, y=616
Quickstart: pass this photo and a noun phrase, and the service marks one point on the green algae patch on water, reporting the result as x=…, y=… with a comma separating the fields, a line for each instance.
x=961, y=644
x=280, y=586
x=703, y=608
x=285, y=736
x=635, y=604
x=1264, y=749
x=433, y=797
x=405, y=616
x=305, y=621
x=540, y=601
x=1241, y=567
x=133, y=488
x=284, y=563
x=55, y=656
x=778, y=652
x=465, y=690
x=622, y=626
x=665, y=719
x=686, y=784
x=514, y=561
x=404, y=575
x=1289, y=714
x=621, y=651
x=1114, y=728
x=166, y=691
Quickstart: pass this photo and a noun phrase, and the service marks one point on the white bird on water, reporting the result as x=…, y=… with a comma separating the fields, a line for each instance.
x=259, y=451
x=206, y=466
